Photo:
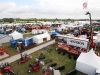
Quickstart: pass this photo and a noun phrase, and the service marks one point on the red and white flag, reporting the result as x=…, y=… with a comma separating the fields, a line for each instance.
x=84, y=5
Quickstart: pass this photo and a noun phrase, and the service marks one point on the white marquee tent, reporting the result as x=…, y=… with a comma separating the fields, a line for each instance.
x=16, y=35
x=88, y=63
x=34, y=31
x=41, y=31
x=39, y=38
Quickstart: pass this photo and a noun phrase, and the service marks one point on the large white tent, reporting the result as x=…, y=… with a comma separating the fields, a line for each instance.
x=35, y=31
x=88, y=63
x=40, y=38
x=16, y=35
x=40, y=31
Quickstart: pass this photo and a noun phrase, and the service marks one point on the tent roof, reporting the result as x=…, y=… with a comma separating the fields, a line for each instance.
x=14, y=33
x=84, y=39
x=90, y=58
x=41, y=36
x=98, y=71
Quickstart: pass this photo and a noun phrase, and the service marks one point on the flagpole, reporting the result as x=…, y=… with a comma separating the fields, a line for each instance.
x=91, y=32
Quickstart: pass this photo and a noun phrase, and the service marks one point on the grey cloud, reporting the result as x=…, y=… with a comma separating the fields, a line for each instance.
x=49, y=11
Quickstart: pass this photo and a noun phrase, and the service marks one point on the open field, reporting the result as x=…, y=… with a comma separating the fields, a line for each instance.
x=60, y=59
x=29, y=34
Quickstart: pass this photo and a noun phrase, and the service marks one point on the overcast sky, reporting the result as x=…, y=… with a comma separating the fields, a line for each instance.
x=61, y=9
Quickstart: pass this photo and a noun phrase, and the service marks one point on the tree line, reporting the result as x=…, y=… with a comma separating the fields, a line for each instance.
x=11, y=20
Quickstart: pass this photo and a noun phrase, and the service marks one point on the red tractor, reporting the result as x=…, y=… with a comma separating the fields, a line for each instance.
x=24, y=58
x=5, y=67
x=29, y=27
x=35, y=66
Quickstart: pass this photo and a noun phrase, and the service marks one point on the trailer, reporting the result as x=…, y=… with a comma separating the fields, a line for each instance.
x=74, y=45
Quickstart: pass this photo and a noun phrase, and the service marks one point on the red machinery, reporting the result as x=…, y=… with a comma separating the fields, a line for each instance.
x=34, y=67
x=0, y=74
x=43, y=27
x=29, y=27
x=85, y=31
x=24, y=58
x=1, y=53
x=5, y=67
x=3, y=50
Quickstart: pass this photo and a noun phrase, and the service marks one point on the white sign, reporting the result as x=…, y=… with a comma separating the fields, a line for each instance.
x=77, y=42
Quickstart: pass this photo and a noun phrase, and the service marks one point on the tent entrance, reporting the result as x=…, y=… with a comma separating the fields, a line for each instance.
x=44, y=39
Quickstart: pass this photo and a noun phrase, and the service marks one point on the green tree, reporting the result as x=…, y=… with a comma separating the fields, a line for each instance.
x=35, y=19
x=5, y=19
x=11, y=20
x=44, y=20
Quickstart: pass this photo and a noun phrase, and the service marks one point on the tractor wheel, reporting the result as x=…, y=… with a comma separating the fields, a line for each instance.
x=29, y=70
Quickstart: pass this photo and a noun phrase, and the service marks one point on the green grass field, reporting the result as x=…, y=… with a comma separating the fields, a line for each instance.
x=22, y=69
x=29, y=34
